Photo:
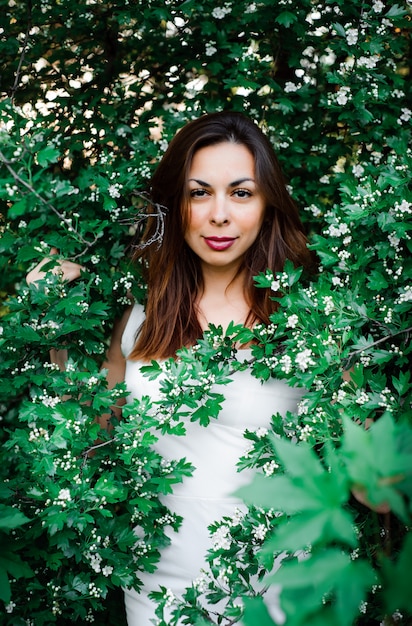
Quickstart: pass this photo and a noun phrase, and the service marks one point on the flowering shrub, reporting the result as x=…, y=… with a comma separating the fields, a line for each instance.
x=91, y=95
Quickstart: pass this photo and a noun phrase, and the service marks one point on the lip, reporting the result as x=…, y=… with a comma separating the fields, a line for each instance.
x=219, y=243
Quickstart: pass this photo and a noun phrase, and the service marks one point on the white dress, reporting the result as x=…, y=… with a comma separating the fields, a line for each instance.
x=214, y=451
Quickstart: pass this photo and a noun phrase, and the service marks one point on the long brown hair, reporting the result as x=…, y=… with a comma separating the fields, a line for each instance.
x=173, y=271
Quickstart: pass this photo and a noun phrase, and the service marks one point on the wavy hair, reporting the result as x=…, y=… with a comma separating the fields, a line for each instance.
x=173, y=272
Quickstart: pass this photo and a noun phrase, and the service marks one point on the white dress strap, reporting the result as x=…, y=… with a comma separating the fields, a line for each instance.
x=131, y=330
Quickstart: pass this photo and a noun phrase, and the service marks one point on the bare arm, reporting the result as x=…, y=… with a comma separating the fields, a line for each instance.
x=115, y=363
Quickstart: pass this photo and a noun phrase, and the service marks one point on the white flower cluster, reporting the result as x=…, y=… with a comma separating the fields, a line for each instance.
x=67, y=462
x=316, y=211
x=64, y=496
x=387, y=400
x=362, y=398
x=96, y=562
x=201, y=583
x=286, y=364
x=305, y=432
x=47, y=400
x=292, y=321
x=124, y=282
x=223, y=576
x=291, y=87
x=405, y=116
x=405, y=296
x=219, y=12
x=304, y=359
x=329, y=305
x=259, y=533
x=169, y=598
x=221, y=539
x=378, y=6
x=337, y=230
x=37, y=433
x=210, y=48
x=369, y=62
x=270, y=467
x=343, y=95
x=352, y=36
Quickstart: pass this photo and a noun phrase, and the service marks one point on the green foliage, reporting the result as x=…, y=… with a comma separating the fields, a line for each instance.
x=91, y=95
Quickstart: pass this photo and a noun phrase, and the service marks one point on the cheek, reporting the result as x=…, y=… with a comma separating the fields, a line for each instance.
x=194, y=221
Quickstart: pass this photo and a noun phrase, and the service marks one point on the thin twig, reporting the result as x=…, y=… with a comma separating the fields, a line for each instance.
x=23, y=53
x=64, y=219
x=378, y=341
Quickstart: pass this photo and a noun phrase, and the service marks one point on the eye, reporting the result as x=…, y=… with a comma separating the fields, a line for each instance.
x=198, y=193
x=242, y=193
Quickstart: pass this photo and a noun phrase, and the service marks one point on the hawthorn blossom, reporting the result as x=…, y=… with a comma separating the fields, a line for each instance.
x=210, y=49
x=352, y=36
x=221, y=538
x=378, y=6
x=219, y=12
x=343, y=95
x=292, y=321
x=304, y=360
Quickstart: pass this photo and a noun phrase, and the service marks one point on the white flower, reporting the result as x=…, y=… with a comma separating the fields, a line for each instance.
x=338, y=230
x=406, y=115
x=343, y=95
x=286, y=364
x=210, y=49
x=219, y=12
x=329, y=305
x=114, y=190
x=107, y=570
x=352, y=36
x=289, y=86
x=261, y=432
x=304, y=360
x=259, y=533
x=200, y=583
x=169, y=597
x=368, y=62
x=378, y=6
x=292, y=321
x=221, y=538
x=357, y=170
x=363, y=398
x=270, y=467
x=275, y=286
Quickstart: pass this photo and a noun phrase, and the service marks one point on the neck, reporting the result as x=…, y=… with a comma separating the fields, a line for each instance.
x=222, y=299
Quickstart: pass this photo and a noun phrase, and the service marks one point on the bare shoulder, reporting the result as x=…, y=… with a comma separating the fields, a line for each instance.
x=117, y=333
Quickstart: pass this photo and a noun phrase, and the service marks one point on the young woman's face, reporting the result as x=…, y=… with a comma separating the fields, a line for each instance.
x=226, y=209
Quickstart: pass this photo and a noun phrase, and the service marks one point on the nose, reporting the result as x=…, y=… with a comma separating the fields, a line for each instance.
x=219, y=212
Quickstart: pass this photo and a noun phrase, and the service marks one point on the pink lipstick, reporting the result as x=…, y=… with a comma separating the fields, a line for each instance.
x=219, y=243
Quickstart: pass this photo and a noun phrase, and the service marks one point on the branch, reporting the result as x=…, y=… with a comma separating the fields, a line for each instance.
x=61, y=216
x=23, y=53
x=378, y=341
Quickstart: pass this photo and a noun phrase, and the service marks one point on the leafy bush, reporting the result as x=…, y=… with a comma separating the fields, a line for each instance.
x=91, y=96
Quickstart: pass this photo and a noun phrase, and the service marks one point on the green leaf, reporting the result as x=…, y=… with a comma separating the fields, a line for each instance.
x=256, y=612
x=286, y=18
x=48, y=155
x=11, y=518
x=377, y=281
x=11, y=564
x=109, y=487
x=396, y=11
x=398, y=580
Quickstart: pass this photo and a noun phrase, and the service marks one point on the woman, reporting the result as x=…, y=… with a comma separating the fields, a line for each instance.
x=228, y=216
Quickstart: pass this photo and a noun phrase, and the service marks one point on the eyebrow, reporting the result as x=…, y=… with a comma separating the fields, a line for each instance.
x=234, y=184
